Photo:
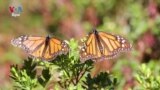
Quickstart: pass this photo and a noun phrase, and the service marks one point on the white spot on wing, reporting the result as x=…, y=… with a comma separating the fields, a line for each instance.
x=123, y=41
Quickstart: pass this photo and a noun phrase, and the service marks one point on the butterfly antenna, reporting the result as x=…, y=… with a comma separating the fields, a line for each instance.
x=94, y=29
x=95, y=25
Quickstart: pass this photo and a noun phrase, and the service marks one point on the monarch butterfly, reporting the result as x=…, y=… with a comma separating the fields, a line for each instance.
x=101, y=45
x=45, y=48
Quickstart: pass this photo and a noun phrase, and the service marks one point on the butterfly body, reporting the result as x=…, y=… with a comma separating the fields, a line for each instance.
x=46, y=44
x=98, y=40
x=101, y=45
x=45, y=48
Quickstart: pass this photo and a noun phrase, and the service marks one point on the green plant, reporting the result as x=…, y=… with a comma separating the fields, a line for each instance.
x=100, y=82
x=24, y=78
x=148, y=77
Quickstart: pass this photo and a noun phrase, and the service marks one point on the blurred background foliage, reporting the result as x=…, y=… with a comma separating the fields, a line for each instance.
x=136, y=20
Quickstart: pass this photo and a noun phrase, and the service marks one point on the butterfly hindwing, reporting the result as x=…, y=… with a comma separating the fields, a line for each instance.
x=38, y=53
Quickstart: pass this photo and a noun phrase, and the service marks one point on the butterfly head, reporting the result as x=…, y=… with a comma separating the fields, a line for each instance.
x=95, y=31
x=47, y=39
x=48, y=36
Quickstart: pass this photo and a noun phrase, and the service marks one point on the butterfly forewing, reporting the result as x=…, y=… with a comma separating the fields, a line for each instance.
x=58, y=47
x=28, y=43
x=114, y=44
x=90, y=50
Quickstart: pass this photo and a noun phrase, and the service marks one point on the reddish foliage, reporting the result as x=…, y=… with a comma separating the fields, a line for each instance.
x=5, y=69
x=91, y=16
x=129, y=83
x=147, y=46
x=152, y=9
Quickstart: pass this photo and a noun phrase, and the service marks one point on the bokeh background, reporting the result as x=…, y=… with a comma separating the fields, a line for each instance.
x=136, y=20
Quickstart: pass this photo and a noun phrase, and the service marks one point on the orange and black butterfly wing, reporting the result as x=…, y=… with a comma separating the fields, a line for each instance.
x=90, y=49
x=54, y=48
x=58, y=47
x=112, y=45
x=34, y=46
